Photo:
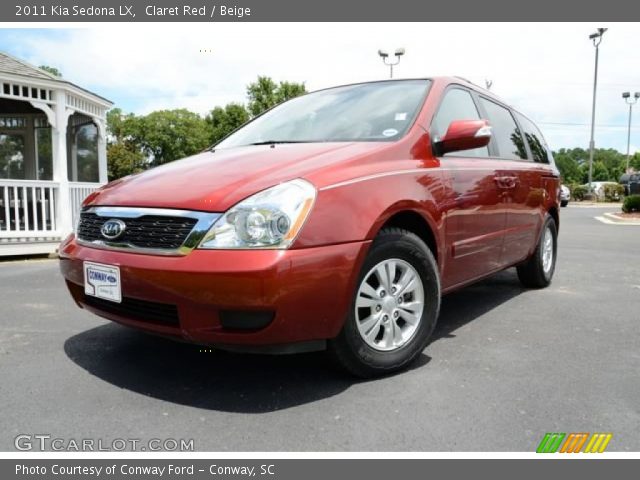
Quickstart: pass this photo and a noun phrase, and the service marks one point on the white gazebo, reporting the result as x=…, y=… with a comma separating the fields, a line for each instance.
x=52, y=155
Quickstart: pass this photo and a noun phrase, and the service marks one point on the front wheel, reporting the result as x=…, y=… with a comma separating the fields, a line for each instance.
x=537, y=271
x=394, y=309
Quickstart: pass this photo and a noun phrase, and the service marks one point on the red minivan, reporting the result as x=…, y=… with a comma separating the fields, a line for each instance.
x=335, y=220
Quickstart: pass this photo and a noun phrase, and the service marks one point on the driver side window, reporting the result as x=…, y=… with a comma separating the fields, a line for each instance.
x=457, y=104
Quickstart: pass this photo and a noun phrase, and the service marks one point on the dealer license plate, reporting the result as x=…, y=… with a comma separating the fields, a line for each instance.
x=102, y=281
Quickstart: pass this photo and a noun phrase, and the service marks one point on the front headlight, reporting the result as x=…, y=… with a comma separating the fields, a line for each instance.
x=269, y=219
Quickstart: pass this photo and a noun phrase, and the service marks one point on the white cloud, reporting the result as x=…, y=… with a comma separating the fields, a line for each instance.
x=544, y=69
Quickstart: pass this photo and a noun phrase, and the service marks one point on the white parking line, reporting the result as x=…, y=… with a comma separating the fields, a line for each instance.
x=608, y=221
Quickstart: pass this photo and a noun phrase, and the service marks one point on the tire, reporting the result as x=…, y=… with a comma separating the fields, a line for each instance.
x=537, y=272
x=394, y=341
x=564, y=203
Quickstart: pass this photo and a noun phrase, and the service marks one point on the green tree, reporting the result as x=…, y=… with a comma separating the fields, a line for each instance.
x=287, y=90
x=608, y=164
x=167, y=135
x=265, y=93
x=11, y=156
x=261, y=95
x=52, y=70
x=86, y=137
x=122, y=160
x=120, y=126
x=44, y=153
x=139, y=142
x=222, y=121
x=568, y=166
x=613, y=160
x=124, y=151
x=600, y=172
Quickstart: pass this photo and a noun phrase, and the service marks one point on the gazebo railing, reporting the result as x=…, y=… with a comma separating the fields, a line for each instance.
x=78, y=192
x=28, y=209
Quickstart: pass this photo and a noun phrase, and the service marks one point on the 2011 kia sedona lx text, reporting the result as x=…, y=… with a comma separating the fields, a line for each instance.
x=335, y=220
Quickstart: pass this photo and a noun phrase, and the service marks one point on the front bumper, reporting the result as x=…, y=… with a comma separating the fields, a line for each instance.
x=305, y=293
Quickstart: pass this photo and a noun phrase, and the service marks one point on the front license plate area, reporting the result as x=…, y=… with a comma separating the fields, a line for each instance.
x=102, y=281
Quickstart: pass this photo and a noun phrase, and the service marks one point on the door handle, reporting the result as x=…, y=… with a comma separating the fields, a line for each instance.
x=506, y=181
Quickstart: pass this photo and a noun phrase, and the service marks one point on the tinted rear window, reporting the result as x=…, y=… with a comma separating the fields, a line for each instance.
x=506, y=134
x=537, y=144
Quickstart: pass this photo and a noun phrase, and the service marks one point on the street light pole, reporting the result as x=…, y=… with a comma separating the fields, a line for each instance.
x=597, y=39
x=631, y=102
x=385, y=55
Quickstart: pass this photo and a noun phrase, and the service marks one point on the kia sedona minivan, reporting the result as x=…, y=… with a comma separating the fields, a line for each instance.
x=335, y=220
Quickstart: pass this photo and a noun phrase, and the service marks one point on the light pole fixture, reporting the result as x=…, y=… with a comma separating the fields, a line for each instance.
x=596, y=38
x=385, y=58
x=631, y=101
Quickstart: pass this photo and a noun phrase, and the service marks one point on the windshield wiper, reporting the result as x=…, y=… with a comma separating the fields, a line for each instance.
x=274, y=142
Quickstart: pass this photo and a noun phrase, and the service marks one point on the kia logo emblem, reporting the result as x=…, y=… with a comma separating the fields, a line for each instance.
x=112, y=229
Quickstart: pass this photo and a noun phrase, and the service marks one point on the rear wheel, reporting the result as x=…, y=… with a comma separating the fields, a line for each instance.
x=537, y=272
x=394, y=308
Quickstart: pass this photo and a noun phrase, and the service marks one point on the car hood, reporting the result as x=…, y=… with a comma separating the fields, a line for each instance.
x=216, y=180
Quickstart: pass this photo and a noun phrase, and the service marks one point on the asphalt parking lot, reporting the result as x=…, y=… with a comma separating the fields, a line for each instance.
x=506, y=365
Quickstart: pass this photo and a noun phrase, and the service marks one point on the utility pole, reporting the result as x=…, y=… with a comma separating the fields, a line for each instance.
x=597, y=39
x=631, y=101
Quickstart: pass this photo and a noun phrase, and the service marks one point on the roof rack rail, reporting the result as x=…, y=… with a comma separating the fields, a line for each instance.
x=472, y=83
x=462, y=78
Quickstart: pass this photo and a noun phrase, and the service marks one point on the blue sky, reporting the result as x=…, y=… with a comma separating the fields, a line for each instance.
x=548, y=76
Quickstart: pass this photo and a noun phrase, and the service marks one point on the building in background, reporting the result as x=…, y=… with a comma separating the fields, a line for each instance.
x=52, y=155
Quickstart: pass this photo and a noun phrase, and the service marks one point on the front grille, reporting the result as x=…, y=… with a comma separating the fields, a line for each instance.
x=151, y=312
x=148, y=231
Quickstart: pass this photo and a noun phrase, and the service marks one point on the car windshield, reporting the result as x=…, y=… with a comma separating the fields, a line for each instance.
x=379, y=111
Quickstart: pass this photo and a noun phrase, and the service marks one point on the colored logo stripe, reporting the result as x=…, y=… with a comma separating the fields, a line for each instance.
x=574, y=442
x=550, y=442
x=598, y=442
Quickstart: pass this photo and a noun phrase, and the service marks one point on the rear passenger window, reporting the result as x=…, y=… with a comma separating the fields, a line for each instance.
x=537, y=145
x=457, y=104
x=506, y=133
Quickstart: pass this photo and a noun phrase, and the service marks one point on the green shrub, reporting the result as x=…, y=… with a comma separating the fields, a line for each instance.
x=578, y=192
x=631, y=204
x=613, y=192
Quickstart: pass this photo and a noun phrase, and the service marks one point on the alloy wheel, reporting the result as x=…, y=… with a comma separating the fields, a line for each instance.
x=547, y=250
x=389, y=305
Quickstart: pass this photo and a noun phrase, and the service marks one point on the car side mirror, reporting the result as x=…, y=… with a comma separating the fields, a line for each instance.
x=465, y=135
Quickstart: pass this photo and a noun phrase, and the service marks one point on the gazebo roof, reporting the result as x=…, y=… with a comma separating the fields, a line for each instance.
x=18, y=67
x=15, y=66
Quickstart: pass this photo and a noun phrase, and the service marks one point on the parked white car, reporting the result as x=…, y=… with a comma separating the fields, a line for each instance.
x=565, y=195
x=598, y=188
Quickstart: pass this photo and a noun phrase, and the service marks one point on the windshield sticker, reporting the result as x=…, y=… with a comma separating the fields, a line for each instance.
x=401, y=117
x=390, y=132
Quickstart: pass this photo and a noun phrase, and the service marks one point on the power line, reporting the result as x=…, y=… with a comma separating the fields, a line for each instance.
x=575, y=124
